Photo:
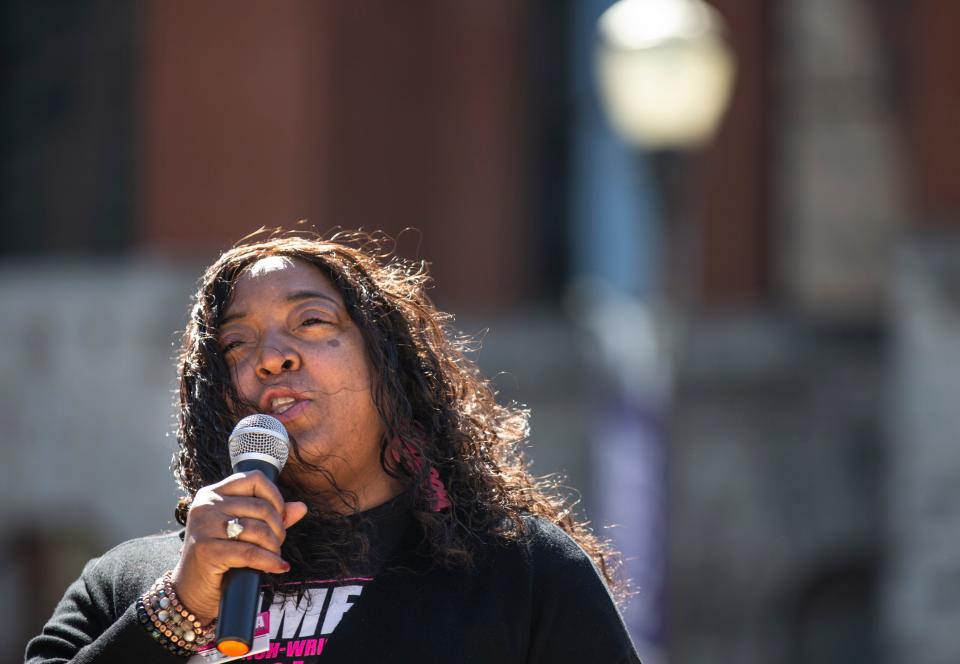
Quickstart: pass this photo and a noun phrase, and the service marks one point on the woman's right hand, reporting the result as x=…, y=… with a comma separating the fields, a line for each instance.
x=207, y=551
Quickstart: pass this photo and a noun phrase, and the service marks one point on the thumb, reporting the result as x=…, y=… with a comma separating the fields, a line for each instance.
x=293, y=512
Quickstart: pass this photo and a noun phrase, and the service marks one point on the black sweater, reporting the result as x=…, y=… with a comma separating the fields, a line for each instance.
x=539, y=599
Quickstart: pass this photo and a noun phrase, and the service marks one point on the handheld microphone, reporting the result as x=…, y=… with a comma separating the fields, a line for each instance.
x=258, y=442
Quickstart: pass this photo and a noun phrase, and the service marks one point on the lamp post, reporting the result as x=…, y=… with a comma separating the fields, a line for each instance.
x=665, y=75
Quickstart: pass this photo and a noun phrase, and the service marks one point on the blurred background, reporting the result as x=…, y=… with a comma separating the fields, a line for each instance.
x=739, y=346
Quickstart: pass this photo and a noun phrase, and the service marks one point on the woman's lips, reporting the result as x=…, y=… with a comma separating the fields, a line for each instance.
x=292, y=412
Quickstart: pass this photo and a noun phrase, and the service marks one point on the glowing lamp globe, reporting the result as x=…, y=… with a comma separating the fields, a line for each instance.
x=665, y=71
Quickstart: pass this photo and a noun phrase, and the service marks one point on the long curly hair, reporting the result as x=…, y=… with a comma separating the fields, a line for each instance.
x=427, y=392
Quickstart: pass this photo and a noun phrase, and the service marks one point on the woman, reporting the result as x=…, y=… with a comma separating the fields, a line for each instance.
x=405, y=526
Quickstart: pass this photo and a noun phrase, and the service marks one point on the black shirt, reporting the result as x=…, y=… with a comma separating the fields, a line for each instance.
x=539, y=599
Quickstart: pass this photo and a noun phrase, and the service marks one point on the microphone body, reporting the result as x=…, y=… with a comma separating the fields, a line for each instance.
x=241, y=585
x=258, y=442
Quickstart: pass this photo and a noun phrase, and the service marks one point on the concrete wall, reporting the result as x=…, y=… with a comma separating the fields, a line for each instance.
x=921, y=593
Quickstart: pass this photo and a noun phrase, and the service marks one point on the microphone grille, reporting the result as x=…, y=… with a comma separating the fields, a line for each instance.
x=260, y=437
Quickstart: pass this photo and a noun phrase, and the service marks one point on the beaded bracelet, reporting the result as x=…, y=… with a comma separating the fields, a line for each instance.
x=167, y=621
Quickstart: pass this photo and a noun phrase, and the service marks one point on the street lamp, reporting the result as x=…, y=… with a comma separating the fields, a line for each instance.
x=665, y=71
x=665, y=75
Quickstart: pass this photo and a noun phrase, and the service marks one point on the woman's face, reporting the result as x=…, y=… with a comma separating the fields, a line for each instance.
x=295, y=352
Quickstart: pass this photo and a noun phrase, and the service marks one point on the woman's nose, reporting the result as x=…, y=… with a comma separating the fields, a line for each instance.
x=274, y=359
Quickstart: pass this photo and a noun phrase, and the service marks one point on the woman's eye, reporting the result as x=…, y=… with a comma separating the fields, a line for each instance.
x=307, y=322
x=231, y=345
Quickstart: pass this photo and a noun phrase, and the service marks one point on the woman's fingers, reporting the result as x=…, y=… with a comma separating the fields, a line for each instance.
x=255, y=485
x=252, y=483
x=293, y=512
x=213, y=517
x=254, y=501
x=257, y=532
x=227, y=554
